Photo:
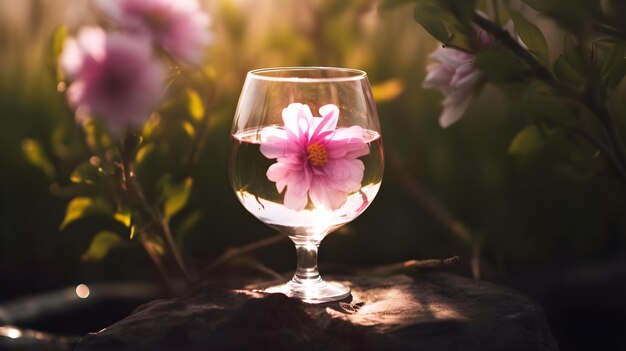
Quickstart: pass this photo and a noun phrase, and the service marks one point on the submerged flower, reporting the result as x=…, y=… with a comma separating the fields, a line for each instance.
x=457, y=77
x=314, y=158
x=179, y=26
x=114, y=77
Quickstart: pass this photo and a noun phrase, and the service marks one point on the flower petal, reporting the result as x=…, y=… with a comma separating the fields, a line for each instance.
x=437, y=76
x=324, y=196
x=298, y=184
x=345, y=174
x=354, y=132
x=347, y=148
x=296, y=118
x=295, y=201
x=279, y=173
x=328, y=122
x=71, y=59
x=273, y=147
x=453, y=108
x=451, y=57
x=180, y=27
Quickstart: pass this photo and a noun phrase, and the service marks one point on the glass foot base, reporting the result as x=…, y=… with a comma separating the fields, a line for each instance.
x=316, y=292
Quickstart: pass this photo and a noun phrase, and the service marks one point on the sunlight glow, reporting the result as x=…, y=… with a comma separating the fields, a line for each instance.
x=82, y=291
x=10, y=332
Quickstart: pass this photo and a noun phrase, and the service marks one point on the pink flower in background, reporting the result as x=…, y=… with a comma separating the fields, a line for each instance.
x=456, y=76
x=179, y=26
x=114, y=77
x=314, y=158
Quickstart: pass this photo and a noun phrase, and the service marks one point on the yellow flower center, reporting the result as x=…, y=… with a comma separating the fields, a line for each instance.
x=318, y=156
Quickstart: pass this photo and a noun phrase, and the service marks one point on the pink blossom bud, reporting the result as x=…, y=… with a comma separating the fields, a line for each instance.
x=180, y=27
x=115, y=77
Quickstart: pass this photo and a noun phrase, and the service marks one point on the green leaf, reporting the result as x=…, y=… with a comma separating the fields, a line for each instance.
x=123, y=217
x=531, y=36
x=538, y=106
x=189, y=129
x=144, y=151
x=100, y=245
x=463, y=9
x=35, y=155
x=613, y=66
x=577, y=160
x=195, y=106
x=566, y=73
x=389, y=4
x=176, y=196
x=571, y=54
x=528, y=141
x=539, y=5
x=80, y=207
x=186, y=226
x=499, y=66
x=56, y=46
x=156, y=245
x=58, y=40
x=85, y=173
x=429, y=17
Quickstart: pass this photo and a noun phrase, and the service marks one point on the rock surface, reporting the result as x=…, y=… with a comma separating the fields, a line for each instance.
x=429, y=311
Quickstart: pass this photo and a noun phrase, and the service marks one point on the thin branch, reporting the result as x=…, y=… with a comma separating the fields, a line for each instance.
x=475, y=263
x=137, y=197
x=539, y=70
x=238, y=251
x=264, y=269
x=165, y=227
x=158, y=264
x=458, y=48
x=433, y=207
x=428, y=202
x=592, y=100
x=616, y=153
x=620, y=172
x=410, y=266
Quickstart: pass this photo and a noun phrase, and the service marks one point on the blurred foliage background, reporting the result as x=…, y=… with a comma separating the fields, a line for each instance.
x=534, y=214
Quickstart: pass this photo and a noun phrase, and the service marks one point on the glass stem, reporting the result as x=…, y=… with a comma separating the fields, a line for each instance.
x=307, y=272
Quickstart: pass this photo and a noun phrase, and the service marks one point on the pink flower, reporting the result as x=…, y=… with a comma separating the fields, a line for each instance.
x=179, y=26
x=456, y=76
x=114, y=77
x=314, y=158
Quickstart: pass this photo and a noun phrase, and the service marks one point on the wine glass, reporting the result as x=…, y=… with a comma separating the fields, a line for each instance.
x=306, y=157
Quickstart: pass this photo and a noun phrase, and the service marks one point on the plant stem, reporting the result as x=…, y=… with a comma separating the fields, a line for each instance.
x=137, y=197
x=594, y=98
x=591, y=97
x=237, y=251
x=410, y=266
x=592, y=101
x=165, y=226
x=433, y=207
x=428, y=202
x=615, y=164
x=158, y=264
x=539, y=70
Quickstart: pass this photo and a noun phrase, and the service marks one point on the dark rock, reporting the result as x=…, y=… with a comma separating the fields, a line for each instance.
x=431, y=311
